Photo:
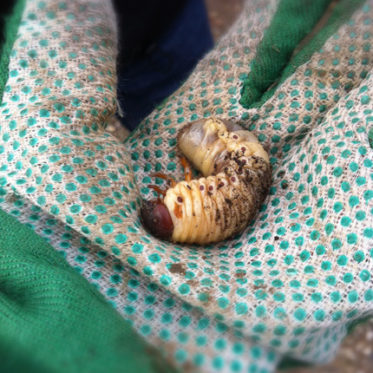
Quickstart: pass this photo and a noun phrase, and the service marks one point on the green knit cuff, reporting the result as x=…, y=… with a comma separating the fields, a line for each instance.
x=11, y=20
x=298, y=29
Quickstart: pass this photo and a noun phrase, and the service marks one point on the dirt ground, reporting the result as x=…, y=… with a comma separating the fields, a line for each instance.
x=356, y=352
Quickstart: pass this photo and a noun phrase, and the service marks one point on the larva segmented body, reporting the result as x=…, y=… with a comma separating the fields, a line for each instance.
x=237, y=176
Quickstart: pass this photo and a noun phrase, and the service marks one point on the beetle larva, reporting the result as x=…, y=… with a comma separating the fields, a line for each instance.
x=236, y=178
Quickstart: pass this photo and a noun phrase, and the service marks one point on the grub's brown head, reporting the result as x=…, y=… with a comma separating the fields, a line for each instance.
x=156, y=219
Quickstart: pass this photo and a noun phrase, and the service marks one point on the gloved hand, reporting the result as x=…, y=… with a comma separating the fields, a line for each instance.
x=290, y=283
x=304, y=266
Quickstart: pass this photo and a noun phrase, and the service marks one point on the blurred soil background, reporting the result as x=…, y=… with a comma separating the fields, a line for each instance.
x=356, y=352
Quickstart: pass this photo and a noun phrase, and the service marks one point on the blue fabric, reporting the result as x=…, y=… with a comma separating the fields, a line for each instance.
x=148, y=81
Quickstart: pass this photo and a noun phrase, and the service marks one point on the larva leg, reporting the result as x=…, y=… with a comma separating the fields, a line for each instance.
x=187, y=169
x=157, y=189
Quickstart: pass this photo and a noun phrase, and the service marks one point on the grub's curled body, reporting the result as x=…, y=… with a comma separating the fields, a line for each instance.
x=236, y=180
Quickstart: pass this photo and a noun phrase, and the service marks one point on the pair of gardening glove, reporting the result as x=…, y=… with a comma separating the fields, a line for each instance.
x=296, y=74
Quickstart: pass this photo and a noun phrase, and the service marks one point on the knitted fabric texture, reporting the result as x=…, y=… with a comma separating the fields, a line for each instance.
x=52, y=320
x=9, y=21
x=292, y=282
x=278, y=44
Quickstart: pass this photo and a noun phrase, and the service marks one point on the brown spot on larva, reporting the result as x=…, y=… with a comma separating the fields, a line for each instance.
x=201, y=187
x=243, y=149
x=188, y=186
x=177, y=268
x=235, y=137
x=178, y=211
x=217, y=215
x=220, y=185
x=228, y=202
x=211, y=188
x=180, y=199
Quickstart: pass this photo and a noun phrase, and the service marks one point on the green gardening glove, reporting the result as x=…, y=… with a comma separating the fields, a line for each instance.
x=297, y=277
x=52, y=320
